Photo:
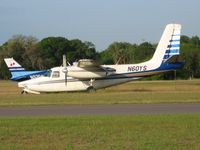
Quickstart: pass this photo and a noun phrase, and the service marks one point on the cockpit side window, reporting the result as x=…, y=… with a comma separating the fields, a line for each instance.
x=49, y=73
x=55, y=74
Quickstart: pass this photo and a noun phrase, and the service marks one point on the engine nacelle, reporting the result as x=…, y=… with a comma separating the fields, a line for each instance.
x=88, y=69
x=84, y=74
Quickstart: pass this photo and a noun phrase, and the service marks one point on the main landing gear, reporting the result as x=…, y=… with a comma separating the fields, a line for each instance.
x=24, y=92
x=91, y=89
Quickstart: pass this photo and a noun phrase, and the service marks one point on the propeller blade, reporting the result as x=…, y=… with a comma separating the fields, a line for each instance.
x=66, y=79
x=64, y=61
x=65, y=68
x=65, y=71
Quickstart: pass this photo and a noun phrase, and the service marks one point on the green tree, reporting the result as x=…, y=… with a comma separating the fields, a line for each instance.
x=121, y=52
x=81, y=50
x=185, y=39
x=143, y=52
x=195, y=41
x=21, y=48
x=50, y=51
x=190, y=52
x=104, y=57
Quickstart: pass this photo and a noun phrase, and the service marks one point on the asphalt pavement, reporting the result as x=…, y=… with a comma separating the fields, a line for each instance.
x=91, y=110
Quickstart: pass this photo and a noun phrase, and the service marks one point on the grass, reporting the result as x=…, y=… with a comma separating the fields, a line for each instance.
x=133, y=92
x=102, y=132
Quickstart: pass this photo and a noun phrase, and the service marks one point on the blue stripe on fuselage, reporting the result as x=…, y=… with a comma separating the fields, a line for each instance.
x=165, y=67
x=18, y=75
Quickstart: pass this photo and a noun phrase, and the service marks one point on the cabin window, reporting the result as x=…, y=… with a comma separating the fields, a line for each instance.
x=56, y=74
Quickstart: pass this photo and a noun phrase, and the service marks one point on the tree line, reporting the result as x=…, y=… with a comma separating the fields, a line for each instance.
x=33, y=54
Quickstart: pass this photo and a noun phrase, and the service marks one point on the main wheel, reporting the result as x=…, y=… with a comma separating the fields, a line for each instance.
x=24, y=92
x=91, y=89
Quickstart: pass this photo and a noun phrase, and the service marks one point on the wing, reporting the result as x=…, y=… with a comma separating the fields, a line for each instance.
x=88, y=69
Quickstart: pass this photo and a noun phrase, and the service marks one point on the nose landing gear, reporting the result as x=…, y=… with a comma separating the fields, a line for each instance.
x=24, y=92
x=91, y=89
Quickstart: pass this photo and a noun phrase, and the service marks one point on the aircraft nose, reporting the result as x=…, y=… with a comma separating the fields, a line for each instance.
x=21, y=84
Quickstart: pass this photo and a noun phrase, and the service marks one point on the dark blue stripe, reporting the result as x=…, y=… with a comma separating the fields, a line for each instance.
x=174, y=40
x=166, y=57
x=172, y=46
x=17, y=70
x=175, y=45
x=167, y=51
x=15, y=67
x=176, y=35
x=172, y=51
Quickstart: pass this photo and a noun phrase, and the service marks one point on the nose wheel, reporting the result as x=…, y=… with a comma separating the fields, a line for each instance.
x=91, y=82
x=91, y=89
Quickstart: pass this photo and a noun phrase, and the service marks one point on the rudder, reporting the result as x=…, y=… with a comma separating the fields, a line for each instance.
x=174, y=44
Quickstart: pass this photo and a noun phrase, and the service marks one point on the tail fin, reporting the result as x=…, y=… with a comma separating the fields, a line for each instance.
x=19, y=73
x=169, y=44
x=174, y=46
x=12, y=65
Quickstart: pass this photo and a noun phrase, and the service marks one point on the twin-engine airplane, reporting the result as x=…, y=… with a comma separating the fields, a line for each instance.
x=19, y=73
x=87, y=75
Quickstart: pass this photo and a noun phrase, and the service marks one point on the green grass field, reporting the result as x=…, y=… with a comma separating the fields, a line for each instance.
x=166, y=132
x=142, y=132
x=133, y=92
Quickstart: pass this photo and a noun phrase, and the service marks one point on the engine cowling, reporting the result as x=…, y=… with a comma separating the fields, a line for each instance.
x=88, y=69
x=87, y=74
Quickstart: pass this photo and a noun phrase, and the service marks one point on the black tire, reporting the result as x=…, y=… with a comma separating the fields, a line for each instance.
x=91, y=89
x=23, y=92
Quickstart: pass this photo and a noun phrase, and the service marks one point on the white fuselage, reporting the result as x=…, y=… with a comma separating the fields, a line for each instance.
x=56, y=83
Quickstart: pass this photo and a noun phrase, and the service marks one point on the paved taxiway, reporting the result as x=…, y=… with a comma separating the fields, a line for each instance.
x=115, y=109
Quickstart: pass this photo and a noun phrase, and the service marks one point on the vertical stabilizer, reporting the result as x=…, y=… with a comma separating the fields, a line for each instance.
x=169, y=44
x=19, y=73
x=13, y=65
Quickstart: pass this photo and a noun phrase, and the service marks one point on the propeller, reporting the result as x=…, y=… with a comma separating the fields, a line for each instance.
x=65, y=68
